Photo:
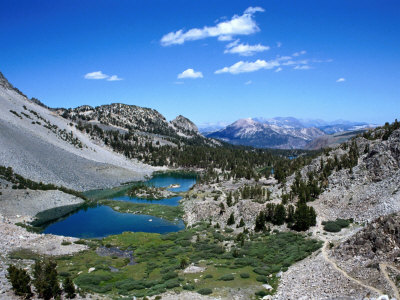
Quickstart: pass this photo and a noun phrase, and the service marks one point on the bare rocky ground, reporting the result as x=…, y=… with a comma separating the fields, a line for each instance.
x=200, y=203
x=29, y=202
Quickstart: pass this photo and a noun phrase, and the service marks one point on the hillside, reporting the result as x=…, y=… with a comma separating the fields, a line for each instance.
x=42, y=146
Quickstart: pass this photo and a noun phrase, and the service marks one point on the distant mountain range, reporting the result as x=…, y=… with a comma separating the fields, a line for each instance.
x=283, y=132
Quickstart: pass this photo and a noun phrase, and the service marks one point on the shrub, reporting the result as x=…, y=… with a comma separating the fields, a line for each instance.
x=244, y=275
x=331, y=226
x=261, y=293
x=80, y=242
x=189, y=287
x=208, y=276
x=172, y=283
x=336, y=226
x=169, y=275
x=227, y=277
x=205, y=291
x=65, y=243
x=262, y=278
x=343, y=223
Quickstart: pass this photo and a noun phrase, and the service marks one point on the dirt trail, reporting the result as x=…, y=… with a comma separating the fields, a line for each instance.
x=333, y=263
x=383, y=267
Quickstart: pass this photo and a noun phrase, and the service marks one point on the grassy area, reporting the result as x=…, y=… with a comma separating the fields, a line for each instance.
x=166, y=212
x=160, y=259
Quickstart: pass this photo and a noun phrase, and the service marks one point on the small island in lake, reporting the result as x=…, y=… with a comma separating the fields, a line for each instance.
x=147, y=192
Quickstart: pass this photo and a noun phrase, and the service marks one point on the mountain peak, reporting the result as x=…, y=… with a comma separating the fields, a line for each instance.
x=184, y=123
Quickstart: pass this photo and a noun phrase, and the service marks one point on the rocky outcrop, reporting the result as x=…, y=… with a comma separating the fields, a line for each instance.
x=184, y=125
x=378, y=241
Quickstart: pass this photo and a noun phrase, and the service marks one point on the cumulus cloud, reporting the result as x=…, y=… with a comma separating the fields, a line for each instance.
x=238, y=25
x=113, y=78
x=248, y=82
x=245, y=49
x=278, y=44
x=341, y=79
x=190, y=73
x=96, y=75
x=101, y=75
x=278, y=69
x=245, y=66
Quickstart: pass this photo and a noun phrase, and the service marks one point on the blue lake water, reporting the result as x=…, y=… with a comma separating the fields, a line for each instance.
x=164, y=180
x=102, y=221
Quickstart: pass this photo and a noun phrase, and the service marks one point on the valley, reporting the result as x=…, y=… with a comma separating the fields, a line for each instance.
x=130, y=205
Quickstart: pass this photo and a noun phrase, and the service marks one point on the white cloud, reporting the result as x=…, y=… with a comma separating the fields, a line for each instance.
x=178, y=82
x=251, y=10
x=238, y=25
x=114, y=78
x=245, y=49
x=245, y=67
x=341, y=79
x=300, y=53
x=224, y=38
x=233, y=44
x=248, y=82
x=96, y=75
x=277, y=63
x=101, y=75
x=190, y=73
x=304, y=67
x=278, y=44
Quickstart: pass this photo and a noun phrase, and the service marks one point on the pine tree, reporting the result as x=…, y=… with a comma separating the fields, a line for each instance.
x=229, y=199
x=183, y=263
x=20, y=281
x=279, y=215
x=45, y=279
x=231, y=220
x=241, y=223
x=260, y=222
x=304, y=217
x=290, y=214
x=69, y=288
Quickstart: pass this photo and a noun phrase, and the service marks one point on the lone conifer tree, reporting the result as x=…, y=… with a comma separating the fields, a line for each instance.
x=20, y=281
x=69, y=288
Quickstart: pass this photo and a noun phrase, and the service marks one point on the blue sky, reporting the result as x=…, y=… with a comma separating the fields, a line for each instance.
x=209, y=60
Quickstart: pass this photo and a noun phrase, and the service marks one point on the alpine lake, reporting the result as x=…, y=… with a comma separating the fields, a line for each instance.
x=105, y=218
x=140, y=247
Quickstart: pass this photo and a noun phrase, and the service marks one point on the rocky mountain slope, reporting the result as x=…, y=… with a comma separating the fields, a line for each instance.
x=359, y=262
x=42, y=146
x=132, y=118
